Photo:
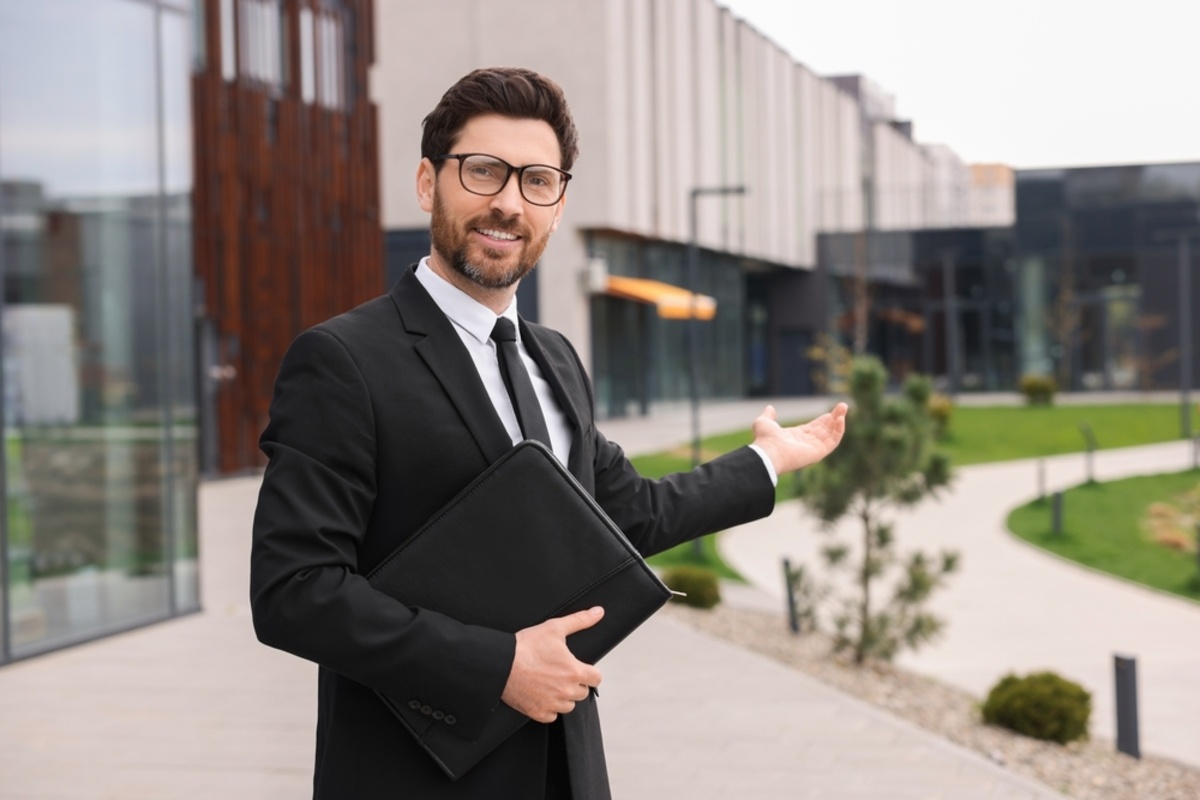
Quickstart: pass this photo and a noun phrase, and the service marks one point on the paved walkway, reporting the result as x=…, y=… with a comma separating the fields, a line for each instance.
x=1011, y=607
x=196, y=708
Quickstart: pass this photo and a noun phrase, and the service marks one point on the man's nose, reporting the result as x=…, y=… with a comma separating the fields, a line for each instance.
x=509, y=200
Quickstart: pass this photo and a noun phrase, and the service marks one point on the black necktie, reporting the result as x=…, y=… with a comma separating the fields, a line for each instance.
x=516, y=380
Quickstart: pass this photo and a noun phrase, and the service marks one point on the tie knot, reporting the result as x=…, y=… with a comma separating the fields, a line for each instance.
x=504, y=331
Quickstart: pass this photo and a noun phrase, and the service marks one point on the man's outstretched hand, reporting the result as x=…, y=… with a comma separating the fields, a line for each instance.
x=546, y=679
x=793, y=448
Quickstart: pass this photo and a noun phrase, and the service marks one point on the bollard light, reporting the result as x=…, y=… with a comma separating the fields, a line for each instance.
x=1127, y=706
x=789, y=583
x=1089, y=438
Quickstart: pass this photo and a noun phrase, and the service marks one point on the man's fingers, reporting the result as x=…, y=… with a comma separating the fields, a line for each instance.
x=589, y=677
x=768, y=412
x=580, y=620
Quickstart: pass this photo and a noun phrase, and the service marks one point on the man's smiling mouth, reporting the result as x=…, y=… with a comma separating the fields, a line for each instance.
x=494, y=234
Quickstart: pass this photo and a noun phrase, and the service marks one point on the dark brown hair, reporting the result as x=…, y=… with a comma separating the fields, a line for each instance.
x=508, y=91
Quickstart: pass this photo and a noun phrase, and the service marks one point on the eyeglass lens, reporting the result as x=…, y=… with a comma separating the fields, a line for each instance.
x=487, y=175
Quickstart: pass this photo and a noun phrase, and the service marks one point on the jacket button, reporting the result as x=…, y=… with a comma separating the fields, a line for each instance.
x=439, y=714
x=450, y=720
x=426, y=710
x=415, y=705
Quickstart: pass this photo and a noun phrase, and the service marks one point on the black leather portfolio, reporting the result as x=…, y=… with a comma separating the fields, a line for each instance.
x=521, y=544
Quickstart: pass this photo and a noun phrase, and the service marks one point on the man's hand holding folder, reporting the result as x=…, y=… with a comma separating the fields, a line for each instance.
x=546, y=678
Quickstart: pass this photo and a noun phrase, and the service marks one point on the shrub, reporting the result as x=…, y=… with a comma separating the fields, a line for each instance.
x=699, y=585
x=885, y=463
x=1038, y=389
x=1041, y=705
x=941, y=409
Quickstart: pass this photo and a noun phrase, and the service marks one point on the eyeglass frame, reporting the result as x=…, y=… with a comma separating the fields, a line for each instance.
x=511, y=169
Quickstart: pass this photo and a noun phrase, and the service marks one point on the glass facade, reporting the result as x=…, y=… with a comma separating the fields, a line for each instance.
x=99, y=462
x=941, y=303
x=639, y=359
x=1100, y=272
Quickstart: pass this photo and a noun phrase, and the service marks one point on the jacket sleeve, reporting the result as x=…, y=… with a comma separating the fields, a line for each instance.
x=659, y=514
x=306, y=593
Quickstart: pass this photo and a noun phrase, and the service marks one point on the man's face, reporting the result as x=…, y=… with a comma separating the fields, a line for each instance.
x=489, y=242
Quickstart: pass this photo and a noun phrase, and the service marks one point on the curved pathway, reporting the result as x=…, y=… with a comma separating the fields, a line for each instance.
x=1012, y=607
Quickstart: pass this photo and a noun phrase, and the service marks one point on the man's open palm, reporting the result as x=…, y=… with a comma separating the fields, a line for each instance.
x=794, y=448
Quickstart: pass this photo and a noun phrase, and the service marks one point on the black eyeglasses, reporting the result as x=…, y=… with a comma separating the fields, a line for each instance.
x=486, y=175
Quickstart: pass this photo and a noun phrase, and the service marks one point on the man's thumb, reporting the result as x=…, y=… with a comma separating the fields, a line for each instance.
x=582, y=620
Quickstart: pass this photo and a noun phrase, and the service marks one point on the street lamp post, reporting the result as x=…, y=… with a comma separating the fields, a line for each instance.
x=950, y=308
x=693, y=279
x=1185, y=334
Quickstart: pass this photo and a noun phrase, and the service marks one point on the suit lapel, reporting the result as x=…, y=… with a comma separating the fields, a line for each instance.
x=555, y=364
x=442, y=351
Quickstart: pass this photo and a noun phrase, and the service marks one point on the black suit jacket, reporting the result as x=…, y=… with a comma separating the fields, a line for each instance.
x=378, y=419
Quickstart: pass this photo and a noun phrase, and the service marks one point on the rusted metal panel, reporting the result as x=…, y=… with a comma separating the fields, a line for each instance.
x=287, y=222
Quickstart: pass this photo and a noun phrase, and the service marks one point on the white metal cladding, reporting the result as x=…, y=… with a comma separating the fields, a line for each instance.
x=671, y=95
x=668, y=95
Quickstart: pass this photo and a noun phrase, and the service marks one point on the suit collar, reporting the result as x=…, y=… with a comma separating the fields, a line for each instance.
x=442, y=351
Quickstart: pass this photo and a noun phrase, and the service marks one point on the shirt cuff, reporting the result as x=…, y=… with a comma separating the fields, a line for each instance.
x=766, y=463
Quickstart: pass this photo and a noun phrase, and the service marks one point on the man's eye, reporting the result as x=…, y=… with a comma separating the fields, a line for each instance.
x=539, y=179
x=485, y=170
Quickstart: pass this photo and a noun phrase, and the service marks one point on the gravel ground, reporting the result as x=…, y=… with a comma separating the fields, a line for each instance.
x=1091, y=770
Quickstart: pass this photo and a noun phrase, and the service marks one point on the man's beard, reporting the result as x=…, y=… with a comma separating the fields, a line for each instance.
x=452, y=242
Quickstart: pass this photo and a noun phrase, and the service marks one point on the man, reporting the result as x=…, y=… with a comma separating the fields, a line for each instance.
x=383, y=414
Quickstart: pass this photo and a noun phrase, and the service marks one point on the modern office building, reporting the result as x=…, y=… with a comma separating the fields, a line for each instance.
x=287, y=213
x=99, y=458
x=1107, y=273
x=671, y=97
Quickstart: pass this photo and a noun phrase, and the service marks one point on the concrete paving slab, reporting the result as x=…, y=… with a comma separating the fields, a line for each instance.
x=687, y=715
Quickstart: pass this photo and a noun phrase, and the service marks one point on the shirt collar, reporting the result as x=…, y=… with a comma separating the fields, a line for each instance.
x=460, y=308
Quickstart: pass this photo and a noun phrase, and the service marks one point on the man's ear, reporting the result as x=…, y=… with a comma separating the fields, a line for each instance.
x=426, y=184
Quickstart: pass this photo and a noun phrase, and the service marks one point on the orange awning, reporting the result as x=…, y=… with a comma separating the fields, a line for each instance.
x=672, y=302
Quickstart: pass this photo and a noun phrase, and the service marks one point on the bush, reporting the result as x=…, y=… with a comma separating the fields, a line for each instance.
x=697, y=583
x=1038, y=389
x=1041, y=705
x=941, y=409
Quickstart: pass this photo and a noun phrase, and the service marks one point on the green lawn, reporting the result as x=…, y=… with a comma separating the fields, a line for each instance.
x=977, y=436
x=981, y=435
x=1101, y=529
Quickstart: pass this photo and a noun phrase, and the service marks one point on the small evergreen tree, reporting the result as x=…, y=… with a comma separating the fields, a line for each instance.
x=885, y=461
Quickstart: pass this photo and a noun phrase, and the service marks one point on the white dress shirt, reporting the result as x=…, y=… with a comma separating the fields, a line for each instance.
x=473, y=322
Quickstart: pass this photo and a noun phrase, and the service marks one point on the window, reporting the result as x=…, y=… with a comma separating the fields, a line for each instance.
x=322, y=59
x=308, y=81
x=262, y=54
x=99, y=461
x=228, y=51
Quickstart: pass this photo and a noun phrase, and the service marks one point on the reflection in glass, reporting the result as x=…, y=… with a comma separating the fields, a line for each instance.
x=93, y=257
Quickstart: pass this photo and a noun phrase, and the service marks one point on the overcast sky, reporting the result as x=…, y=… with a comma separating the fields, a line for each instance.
x=1030, y=83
